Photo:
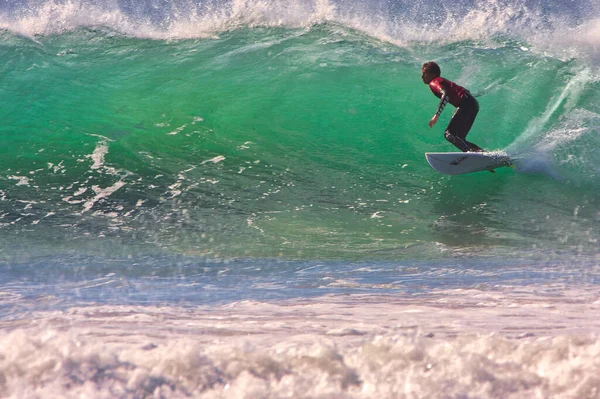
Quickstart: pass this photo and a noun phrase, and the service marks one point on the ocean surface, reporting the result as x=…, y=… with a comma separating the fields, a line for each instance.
x=230, y=199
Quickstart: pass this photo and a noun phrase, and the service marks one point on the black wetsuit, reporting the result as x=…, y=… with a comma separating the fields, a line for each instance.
x=467, y=108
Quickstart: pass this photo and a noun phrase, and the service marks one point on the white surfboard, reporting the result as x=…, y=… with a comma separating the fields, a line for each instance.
x=456, y=163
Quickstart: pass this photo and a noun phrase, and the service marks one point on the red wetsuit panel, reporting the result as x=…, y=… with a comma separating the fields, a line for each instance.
x=455, y=92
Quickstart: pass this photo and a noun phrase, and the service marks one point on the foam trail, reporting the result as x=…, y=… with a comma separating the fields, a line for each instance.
x=567, y=97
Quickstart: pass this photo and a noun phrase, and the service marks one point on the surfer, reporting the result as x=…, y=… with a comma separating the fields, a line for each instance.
x=466, y=107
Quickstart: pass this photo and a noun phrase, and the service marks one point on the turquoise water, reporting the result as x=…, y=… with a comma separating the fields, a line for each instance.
x=289, y=142
x=173, y=163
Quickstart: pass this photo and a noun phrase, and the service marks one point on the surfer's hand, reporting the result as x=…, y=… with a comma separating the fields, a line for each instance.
x=434, y=120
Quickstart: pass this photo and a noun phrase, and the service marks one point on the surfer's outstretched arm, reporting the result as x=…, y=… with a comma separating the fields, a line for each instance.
x=443, y=102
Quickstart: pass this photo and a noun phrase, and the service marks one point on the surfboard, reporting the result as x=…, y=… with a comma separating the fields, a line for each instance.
x=457, y=163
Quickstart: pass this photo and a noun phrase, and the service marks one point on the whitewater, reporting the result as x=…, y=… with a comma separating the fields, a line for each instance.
x=230, y=199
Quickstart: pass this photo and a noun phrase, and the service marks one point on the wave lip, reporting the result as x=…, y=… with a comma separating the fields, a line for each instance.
x=174, y=20
x=552, y=26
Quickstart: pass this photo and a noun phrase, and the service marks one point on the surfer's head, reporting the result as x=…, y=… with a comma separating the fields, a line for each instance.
x=430, y=71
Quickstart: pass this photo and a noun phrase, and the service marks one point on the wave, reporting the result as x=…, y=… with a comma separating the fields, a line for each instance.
x=294, y=142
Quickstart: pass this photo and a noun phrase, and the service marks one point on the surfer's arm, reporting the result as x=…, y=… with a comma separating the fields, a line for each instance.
x=443, y=102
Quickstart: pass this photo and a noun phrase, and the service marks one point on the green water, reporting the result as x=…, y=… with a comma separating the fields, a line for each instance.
x=292, y=143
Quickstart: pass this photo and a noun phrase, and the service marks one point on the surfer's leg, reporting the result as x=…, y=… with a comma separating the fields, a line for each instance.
x=456, y=133
x=461, y=123
x=458, y=142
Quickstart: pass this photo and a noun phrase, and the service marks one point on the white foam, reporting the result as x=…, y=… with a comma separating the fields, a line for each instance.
x=453, y=343
x=21, y=180
x=100, y=194
x=566, y=32
x=217, y=159
x=98, y=155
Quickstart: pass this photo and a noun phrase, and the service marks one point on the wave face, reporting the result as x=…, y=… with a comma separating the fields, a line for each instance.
x=269, y=129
